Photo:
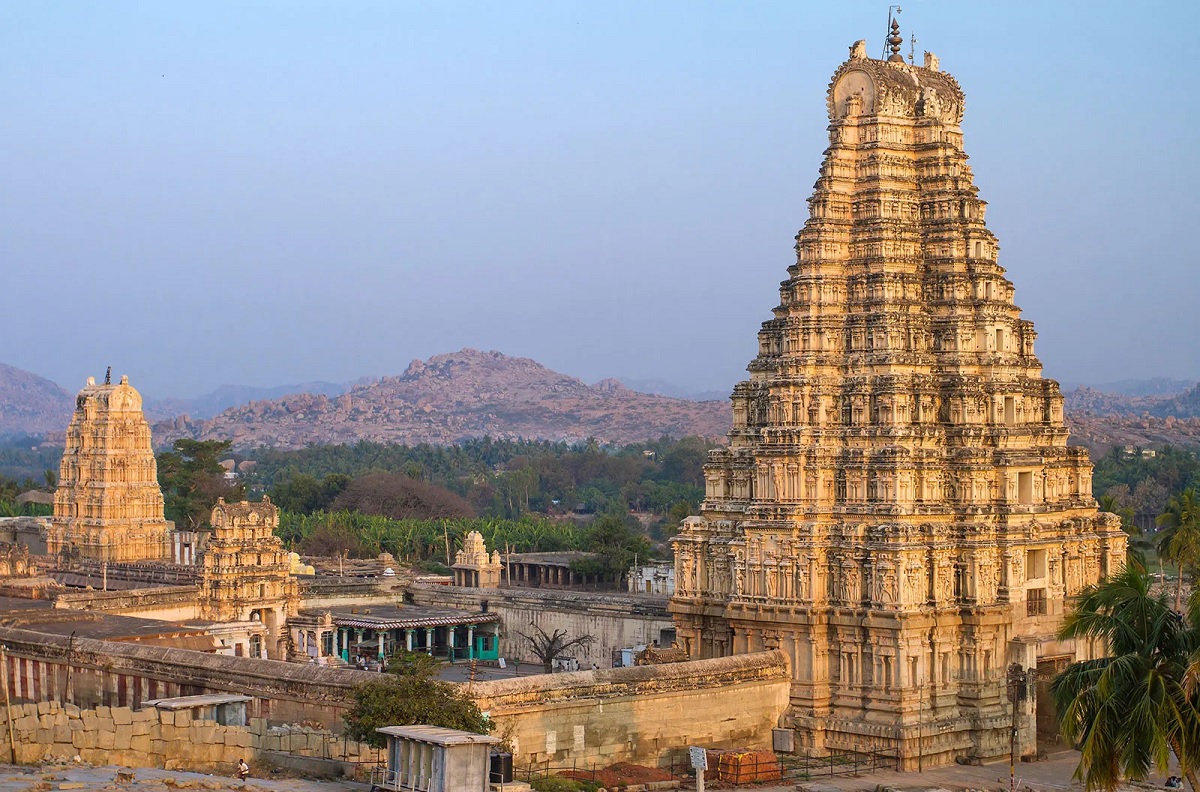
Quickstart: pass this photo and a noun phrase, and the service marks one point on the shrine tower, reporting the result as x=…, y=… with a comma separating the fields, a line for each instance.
x=108, y=505
x=897, y=509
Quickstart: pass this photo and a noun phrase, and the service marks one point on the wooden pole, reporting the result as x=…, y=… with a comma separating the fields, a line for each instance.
x=12, y=743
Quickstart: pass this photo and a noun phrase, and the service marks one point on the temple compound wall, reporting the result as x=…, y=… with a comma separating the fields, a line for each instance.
x=107, y=673
x=647, y=714
x=897, y=509
x=173, y=740
x=616, y=621
x=641, y=714
x=108, y=505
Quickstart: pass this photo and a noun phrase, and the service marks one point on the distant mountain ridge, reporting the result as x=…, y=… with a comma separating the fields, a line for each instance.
x=470, y=393
x=226, y=396
x=659, y=387
x=456, y=396
x=32, y=405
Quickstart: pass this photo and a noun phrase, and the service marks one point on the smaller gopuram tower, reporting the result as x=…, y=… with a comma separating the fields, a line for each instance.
x=108, y=506
x=246, y=573
x=473, y=567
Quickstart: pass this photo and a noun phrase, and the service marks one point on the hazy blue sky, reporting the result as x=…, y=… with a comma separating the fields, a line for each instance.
x=270, y=192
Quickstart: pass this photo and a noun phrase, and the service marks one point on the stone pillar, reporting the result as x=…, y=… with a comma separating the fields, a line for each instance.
x=408, y=640
x=381, y=646
x=470, y=640
x=429, y=641
x=337, y=642
x=450, y=641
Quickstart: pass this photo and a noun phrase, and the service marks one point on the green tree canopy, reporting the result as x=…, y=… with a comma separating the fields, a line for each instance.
x=1129, y=711
x=192, y=480
x=408, y=694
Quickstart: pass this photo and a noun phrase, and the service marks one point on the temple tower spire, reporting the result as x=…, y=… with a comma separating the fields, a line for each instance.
x=897, y=508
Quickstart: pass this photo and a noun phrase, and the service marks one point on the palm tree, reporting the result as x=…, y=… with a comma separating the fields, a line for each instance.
x=1181, y=541
x=1130, y=711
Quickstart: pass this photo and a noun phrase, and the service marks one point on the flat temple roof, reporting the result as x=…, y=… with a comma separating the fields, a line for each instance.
x=393, y=617
x=437, y=735
x=189, y=702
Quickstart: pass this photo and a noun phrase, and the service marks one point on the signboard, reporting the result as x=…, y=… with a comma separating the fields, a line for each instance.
x=699, y=758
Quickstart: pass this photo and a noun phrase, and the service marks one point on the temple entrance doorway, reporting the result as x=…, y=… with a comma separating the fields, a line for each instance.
x=1047, y=715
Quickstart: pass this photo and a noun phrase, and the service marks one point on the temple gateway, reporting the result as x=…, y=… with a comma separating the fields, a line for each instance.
x=897, y=509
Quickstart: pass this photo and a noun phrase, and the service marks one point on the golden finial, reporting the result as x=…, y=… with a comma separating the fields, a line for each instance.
x=895, y=41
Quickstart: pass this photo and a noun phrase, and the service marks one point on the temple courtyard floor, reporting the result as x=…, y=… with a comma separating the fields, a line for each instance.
x=83, y=777
x=1047, y=776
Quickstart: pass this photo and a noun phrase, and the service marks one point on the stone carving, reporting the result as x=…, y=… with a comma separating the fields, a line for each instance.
x=926, y=445
x=246, y=572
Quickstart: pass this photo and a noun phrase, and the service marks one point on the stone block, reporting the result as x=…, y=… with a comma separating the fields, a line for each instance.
x=105, y=739
x=140, y=727
x=140, y=743
x=62, y=733
x=103, y=713
x=122, y=715
x=183, y=717
x=46, y=707
x=144, y=715
x=122, y=737
x=72, y=711
x=75, y=724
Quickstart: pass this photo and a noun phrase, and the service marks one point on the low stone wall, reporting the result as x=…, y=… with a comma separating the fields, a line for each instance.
x=169, y=740
x=171, y=603
x=615, y=620
x=106, y=673
x=645, y=714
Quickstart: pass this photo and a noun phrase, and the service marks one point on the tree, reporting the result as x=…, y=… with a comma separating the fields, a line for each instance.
x=1129, y=711
x=546, y=646
x=400, y=497
x=305, y=494
x=410, y=697
x=1181, y=542
x=616, y=544
x=192, y=480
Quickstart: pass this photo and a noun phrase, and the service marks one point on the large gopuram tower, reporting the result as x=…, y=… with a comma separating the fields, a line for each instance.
x=897, y=508
x=108, y=506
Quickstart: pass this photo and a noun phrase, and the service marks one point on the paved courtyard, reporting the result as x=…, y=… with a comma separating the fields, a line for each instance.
x=54, y=777
x=1053, y=774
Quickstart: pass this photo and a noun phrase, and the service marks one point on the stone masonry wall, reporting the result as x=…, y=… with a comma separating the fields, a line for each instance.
x=160, y=738
x=120, y=674
x=645, y=714
x=617, y=621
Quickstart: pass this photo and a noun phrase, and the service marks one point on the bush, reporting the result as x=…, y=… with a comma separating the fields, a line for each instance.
x=556, y=784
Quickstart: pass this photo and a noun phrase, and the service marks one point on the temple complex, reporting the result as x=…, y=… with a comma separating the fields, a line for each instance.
x=246, y=572
x=108, y=506
x=897, y=509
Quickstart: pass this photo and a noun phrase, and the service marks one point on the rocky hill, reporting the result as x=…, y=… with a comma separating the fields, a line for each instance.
x=32, y=405
x=226, y=396
x=449, y=398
